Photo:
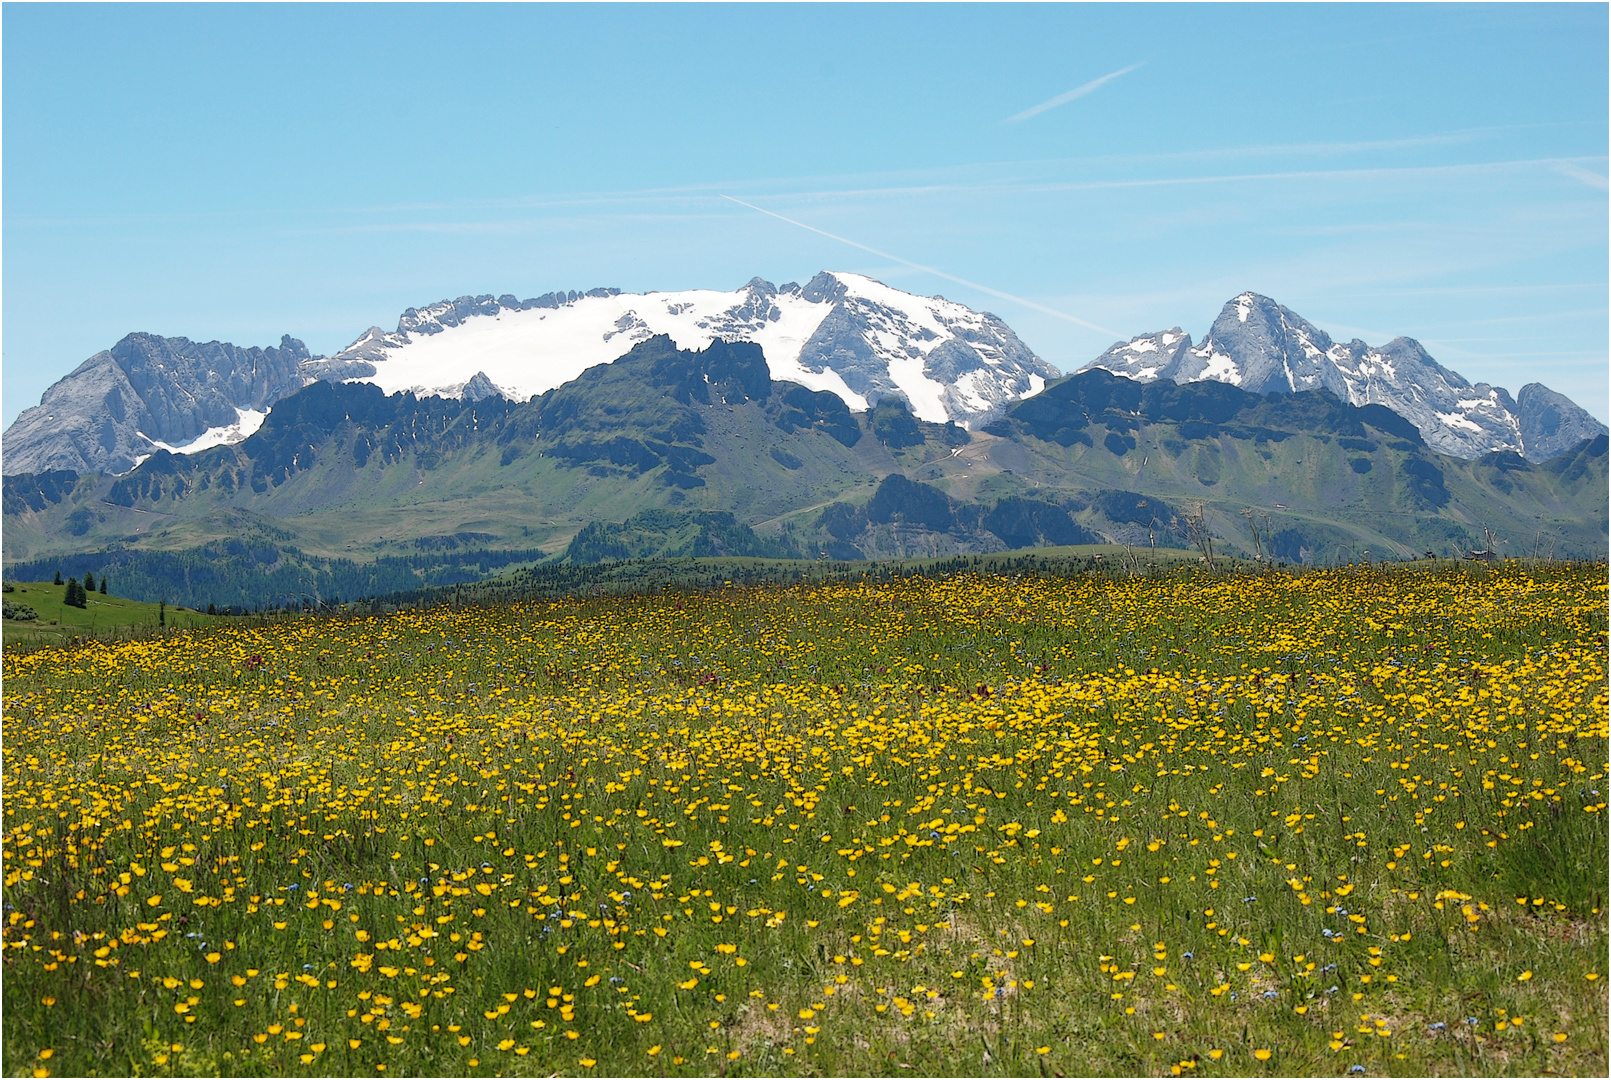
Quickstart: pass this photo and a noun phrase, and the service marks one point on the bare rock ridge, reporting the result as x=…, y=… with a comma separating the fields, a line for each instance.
x=147, y=393
x=1261, y=346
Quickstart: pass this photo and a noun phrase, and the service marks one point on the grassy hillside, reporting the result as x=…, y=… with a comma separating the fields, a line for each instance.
x=102, y=616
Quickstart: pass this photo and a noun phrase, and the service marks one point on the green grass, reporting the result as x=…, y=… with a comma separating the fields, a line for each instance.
x=990, y=823
x=103, y=616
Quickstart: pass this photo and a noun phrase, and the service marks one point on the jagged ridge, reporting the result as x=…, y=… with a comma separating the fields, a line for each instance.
x=1261, y=346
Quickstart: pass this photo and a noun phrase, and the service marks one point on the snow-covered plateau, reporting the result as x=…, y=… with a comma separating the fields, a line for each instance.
x=845, y=333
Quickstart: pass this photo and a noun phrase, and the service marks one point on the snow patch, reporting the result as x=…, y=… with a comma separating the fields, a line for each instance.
x=924, y=394
x=1222, y=368
x=1455, y=420
x=245, y=426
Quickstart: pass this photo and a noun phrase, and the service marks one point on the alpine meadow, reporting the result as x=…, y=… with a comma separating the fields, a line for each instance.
x=1182, y=822
x=800, y=540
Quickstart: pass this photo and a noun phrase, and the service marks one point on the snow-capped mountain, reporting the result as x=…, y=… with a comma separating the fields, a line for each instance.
x=1259, y=345
x=844, y=333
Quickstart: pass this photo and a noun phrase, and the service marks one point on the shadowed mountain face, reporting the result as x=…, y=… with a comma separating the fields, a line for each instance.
x=1258, y=345
x=121, y=405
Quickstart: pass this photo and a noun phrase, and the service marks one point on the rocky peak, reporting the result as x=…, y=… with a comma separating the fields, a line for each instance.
x=1264, y=347
x=145, y=393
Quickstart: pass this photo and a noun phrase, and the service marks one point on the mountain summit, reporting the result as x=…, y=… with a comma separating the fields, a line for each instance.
x=855, y=337
x=150, y=393
x=1262, y=346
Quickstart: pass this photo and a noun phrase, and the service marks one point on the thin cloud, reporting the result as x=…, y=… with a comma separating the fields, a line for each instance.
x=1593, y=179
x=931, y=270
x=1018, y=187
x=1064, y=99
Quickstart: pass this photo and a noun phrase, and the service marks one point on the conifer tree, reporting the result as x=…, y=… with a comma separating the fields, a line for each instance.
x=89, y=582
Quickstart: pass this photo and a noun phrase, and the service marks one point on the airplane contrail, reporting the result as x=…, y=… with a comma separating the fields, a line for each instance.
x=1064, y=99
x=931, y=270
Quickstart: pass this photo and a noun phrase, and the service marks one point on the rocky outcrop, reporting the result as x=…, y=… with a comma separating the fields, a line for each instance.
x=147, y=391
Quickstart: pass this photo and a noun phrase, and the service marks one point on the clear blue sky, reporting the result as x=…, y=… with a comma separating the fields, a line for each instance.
x=240, y=172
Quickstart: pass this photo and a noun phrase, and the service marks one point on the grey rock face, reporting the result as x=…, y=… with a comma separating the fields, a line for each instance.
x=1551, y=422
x=480, y=388
x=1148, y=357
x=980, y=364
x=823, y=289
x=1261, y=346
x=114, y=408
x=1272, y=348
x=840, y=342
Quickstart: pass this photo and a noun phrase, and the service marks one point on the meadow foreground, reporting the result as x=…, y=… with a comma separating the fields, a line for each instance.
x=1332, y=823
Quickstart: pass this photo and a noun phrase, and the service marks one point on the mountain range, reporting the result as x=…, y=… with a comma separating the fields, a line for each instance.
x=349, y=483
x=1259, y=345
x=844, y=333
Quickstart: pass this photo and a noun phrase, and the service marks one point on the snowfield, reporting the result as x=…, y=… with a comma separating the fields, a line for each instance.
x=879, y=343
